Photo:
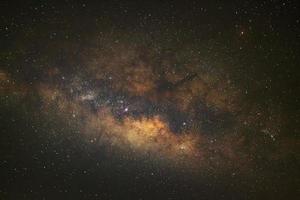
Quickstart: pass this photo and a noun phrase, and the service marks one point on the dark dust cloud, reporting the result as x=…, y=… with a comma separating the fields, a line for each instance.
x=149, y=100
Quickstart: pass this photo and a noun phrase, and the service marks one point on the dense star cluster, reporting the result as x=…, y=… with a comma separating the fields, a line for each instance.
x=169, y=100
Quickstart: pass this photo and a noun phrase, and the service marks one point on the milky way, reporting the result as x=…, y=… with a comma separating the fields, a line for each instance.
x=193, y=101
x=134, y=98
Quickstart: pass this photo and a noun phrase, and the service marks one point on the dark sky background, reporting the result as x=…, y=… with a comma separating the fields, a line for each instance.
x=149, y=99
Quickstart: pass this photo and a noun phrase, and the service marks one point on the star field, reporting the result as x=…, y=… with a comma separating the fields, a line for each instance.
x=149, y=100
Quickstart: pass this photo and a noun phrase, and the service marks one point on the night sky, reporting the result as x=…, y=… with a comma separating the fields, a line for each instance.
x=150, y=100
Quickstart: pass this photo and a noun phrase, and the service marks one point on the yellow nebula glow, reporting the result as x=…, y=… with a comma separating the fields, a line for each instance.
x=150, y=135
